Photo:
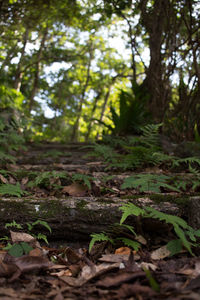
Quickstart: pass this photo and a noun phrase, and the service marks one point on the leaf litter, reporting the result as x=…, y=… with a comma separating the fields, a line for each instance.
x=34, y=271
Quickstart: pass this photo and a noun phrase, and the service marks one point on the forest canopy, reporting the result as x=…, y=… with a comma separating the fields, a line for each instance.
x=75, y=70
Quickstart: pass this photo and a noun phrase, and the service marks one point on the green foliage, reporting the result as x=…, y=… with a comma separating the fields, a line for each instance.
x=187, y=236
x=19, y=249
x=5, y=157
x=86, y=179
x=55, y=154
x=132, y=114
x=181, y=228
x=13, y=224
x=38, y=222
x=11, y=190
x=105, y=151
x=44, y=178
x=149, y=182
x=189, y=162
x=99, y=237
x=155, y=286
x=130, y=243
x=15, y=250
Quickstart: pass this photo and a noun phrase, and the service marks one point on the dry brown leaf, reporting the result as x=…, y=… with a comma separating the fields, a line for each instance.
x=21, y=237
x=24, y=180
x=75, y=189
x=123, y=250
x=160, y=253
x=61, y=273
x=3, y=179
x=12, y=180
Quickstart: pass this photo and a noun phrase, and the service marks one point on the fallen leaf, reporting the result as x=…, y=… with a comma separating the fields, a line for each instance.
x=21, y=237
x=75, y=189
x=24, y=180
x=123, y=250
x=3, y=179
x=148, y=266
x=160, y=253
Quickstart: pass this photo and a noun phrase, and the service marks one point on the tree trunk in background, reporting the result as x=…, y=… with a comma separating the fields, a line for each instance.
x=75, y=129
x=92, y=114
x=19, y=72
x=154, y=21
x=104, y=106
x=37, y=70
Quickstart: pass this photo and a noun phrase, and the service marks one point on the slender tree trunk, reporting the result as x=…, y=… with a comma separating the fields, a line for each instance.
x=92, y=114
x=74, y=135
x=19, y=72
x=37, y=70
x=104, y=106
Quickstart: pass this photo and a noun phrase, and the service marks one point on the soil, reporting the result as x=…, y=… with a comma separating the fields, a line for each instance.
x=77, y=195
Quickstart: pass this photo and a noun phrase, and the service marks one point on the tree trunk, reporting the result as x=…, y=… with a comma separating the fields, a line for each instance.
x=19, y=72
x=154, y=22
x=76, y=124
x=37, y=70
x=92, y=114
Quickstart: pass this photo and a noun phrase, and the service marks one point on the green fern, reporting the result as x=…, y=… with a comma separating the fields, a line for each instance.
x=150, y=136
x=105, y=151
x=148, y=182
x=99, y=237
x=130, y=209
x=44, y=178
x=188, y=161
x=11, y=190
x=181, y=228
x=86, y=179
x=130, y=243
x=5, y=157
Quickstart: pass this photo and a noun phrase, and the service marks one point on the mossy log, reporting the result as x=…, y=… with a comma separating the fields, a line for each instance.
x=73, y=218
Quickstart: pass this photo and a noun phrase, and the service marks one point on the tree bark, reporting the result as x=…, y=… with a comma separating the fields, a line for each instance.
x=76, y=124
x=37, y=70
x=72, y=219
x=19, y=72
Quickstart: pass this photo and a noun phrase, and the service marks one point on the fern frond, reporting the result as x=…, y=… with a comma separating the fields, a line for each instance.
x=99, y=237
x=85, y=178
x=130, y=209
x=11, y=190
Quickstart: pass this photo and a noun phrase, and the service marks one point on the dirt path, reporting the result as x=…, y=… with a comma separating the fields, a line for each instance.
x=77, y=196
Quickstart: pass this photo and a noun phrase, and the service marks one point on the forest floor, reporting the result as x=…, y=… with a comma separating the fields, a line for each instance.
x=64, y=268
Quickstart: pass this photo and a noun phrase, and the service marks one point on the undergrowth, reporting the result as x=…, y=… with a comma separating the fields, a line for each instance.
x=186, y=235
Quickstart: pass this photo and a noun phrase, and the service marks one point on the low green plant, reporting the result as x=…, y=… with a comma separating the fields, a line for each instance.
x=86, y=179
x=186, y=235
x=21, y=248
x=149, y=182
x=55, y=154
x=11, y=190
x=44, y=178
x=105, y=151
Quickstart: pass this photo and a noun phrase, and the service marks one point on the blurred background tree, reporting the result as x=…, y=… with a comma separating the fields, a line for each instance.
x=76, y=69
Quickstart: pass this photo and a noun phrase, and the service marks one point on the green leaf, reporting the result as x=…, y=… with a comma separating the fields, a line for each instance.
x=130, y=243
x=13, y=224
x=43, y=223
x=174, y=246
x=130, y=209
x=99, y=237
x=43, y=237
x=155, y=286
x=85, y=178
x=26, y=247
x=16, y=250
x=11, y=190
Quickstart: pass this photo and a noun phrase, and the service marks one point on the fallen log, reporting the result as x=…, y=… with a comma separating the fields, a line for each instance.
x=74, y=218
